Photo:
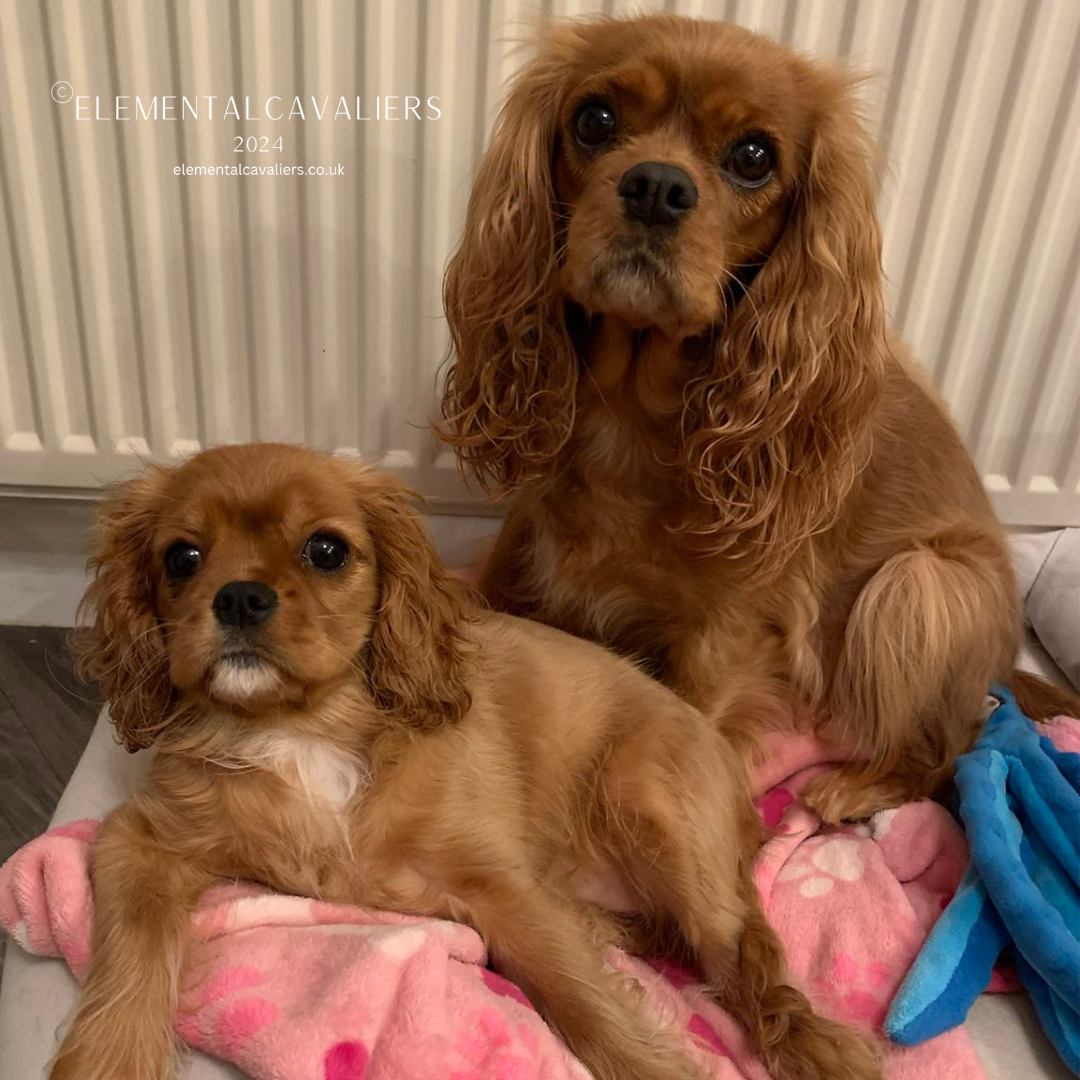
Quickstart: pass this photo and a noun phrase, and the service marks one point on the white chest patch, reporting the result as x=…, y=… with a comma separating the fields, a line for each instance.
x=324, y=774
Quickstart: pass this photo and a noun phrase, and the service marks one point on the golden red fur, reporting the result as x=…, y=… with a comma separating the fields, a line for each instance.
x=719, y=461
x=335, y=717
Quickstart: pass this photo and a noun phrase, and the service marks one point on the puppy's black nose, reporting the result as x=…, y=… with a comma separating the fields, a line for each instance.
x=656, y=193
x=244, y=603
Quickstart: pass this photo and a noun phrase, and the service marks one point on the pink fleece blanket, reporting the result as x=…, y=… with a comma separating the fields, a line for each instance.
x=294, y=989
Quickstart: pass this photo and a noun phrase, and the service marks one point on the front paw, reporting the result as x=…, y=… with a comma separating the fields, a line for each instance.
x=829, y=798
x=846, y=794
x=77, y=1064
x=111, y=1057
x=817, y=1048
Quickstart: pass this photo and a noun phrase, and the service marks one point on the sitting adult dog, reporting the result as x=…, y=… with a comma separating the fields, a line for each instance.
x=670, y=348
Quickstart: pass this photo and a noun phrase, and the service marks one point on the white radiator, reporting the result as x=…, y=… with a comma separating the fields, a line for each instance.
x=144, y=314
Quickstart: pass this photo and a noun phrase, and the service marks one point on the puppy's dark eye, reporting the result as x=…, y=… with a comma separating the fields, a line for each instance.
x=326, y=552
x=182, y=561
x=750, y=161
x=595, y=124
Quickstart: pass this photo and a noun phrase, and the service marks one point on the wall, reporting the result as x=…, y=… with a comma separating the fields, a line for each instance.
x=144, y=314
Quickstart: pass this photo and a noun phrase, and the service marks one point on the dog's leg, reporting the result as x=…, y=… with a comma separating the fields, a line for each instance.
x=689, y=835
x=542, y=942
x=143, y=899
x=507, y=573
x=928, y=634
x=795, y=1042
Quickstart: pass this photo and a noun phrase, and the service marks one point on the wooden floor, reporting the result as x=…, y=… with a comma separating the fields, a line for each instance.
x=46, y=717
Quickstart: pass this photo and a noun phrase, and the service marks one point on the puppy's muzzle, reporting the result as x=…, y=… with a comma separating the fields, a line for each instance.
x=657, y=194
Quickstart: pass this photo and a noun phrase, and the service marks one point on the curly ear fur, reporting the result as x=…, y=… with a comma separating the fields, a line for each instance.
x=124, y=647
x=508, y=400
x=418, y=655
x=778, y=430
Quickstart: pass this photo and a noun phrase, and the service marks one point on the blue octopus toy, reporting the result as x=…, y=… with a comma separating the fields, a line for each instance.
x=1019, y=800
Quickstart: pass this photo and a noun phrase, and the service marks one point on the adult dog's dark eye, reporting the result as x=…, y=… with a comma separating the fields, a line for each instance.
x=326, y=552
x=595, y=124
x=182, y=561
x=750, y=161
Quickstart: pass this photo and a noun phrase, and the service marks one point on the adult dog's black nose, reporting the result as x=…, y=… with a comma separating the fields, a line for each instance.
x=656, y=193
x=244, y=603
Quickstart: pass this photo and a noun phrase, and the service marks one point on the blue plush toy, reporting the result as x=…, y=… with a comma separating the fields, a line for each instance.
x=1020, y=804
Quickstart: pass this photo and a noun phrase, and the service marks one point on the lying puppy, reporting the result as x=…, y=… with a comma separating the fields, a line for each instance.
x=335, y=718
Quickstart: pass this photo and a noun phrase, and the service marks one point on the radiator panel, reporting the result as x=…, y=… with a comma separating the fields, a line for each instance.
x=143, y=315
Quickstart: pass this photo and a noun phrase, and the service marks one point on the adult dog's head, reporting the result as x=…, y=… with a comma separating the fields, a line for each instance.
x=693, y=180
x=252, y=579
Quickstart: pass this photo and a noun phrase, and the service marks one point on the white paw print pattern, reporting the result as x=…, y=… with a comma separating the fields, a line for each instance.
x=836, y=859
x=399, y=942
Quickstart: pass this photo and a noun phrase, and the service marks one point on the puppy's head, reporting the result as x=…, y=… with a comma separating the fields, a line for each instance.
x=682, y=175
x=254, y=578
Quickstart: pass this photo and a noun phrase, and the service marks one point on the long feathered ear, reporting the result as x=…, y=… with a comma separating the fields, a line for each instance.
x=123, y=649
x=779, y=428
x=508, y=399
x=418, y=654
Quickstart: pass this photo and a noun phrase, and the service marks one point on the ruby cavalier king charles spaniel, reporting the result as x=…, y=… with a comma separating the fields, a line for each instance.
x=670, y=351
x=335, y=716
